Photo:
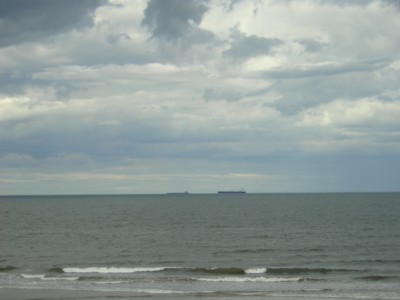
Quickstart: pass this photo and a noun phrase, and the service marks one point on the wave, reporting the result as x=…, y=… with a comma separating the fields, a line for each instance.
x=112, y=282
x=250, y=279
x=7, y=268
x=214, y=271
x=226, y=271
x=368, y=261
x=255, y=270
x=159, y=291
x=295, y=270
x=122, y=270
x=33, y=276
x=312, y=279
x=44, y=277
x=109, y=270
x=103, y=280
x=376, y=277
x=90, y=278
x=56, y=270
x=62, y=278
x=241, y=251
x=262, y=270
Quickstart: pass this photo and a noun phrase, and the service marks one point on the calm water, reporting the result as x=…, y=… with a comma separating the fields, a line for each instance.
x=261, y=244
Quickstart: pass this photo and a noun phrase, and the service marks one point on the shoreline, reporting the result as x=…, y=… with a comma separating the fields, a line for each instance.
x=57, y=294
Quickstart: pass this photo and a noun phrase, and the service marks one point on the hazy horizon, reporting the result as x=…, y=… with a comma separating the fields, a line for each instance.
x=178, y=194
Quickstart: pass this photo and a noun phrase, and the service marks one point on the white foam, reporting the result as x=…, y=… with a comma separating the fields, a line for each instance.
x=33, y=276
x=255, y=270
x=248, y=279
x=43, y=277
x=105, y=270
x=154, y=291
x=111, y=282
x=61, y=278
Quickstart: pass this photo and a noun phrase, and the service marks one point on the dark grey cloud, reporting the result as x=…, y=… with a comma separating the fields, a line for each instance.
x=395, y=3
x=328, y=69
x=170, y=20
x=311, y=45
x=244, y=47
x=23, y=20
x=212, y=94
x=17, y=87
x=338, y=2
x=229, y=6
x=135, y=139
x=13, y=83
x=115, y=38
x=301, y=89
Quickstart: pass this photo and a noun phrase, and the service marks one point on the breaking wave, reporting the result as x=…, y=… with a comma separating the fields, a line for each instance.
x=33, y=276
x=44, y=277
x=250, y=279
x=211, y=270
x=255, y=270
x=122, y=270
x=109, y=270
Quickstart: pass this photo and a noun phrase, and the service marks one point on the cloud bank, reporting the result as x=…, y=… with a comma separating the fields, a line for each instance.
x=170, y=95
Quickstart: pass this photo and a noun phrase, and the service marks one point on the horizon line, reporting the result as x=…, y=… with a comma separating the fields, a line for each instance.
x=192, y=193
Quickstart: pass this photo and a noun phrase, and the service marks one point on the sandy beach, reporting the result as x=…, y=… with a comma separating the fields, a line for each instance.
x=47, y=294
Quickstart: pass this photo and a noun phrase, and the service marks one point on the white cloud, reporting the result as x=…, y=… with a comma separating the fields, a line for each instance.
x=368, y=112
x=20, y=107
x=366, y=126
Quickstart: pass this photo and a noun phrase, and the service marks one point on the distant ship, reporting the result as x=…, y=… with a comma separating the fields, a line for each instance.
x=242, y=191
x=178, y=193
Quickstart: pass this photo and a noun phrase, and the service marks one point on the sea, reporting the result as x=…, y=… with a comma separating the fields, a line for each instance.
x=343, y=245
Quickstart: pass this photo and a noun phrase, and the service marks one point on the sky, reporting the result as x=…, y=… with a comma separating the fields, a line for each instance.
x=119, y=97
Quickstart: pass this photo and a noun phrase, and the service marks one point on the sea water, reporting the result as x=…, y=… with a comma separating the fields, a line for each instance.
x=322, y=245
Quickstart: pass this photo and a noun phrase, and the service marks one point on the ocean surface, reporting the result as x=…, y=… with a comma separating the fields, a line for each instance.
x=303, y=245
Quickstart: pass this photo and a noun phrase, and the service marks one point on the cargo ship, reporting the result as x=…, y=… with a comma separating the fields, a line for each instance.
x=179, y=193
x=242, y=191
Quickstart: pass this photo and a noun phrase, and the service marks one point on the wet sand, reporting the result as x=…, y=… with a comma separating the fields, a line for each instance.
x=42, y=294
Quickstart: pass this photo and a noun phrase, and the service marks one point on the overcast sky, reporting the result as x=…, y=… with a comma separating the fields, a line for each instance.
x=172, y=95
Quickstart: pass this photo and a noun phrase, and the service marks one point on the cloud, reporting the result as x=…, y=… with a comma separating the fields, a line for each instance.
x=152, y=96
x=23, y=21
x=176, y=32
x=345, y=126
x=170, y=20
x=117, y=37
x=329, y=69
x=311, y=45
x=305, y=86
x=243, y=47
